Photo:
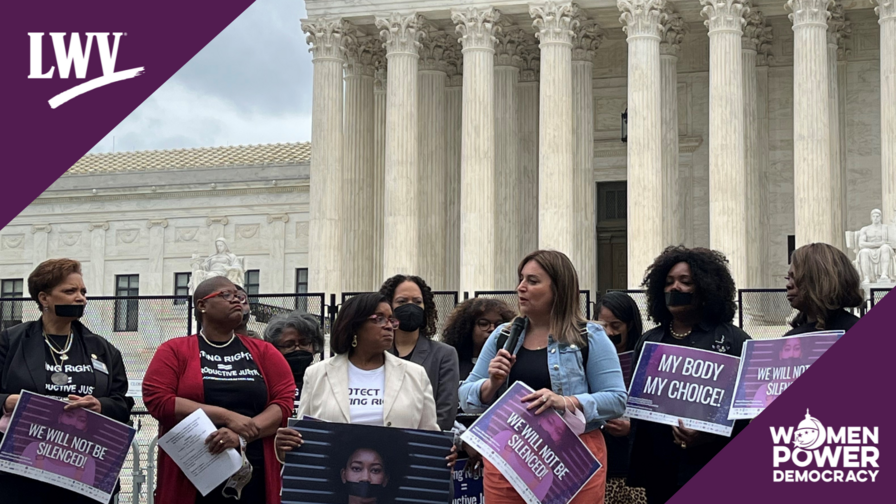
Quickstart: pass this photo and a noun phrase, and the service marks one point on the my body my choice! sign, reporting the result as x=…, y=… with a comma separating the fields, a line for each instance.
x=674, y=382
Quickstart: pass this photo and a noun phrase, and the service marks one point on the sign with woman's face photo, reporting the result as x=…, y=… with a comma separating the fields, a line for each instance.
x=362, y=464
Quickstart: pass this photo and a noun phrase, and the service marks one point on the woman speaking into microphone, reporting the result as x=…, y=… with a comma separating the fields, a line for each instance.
x=570, y=363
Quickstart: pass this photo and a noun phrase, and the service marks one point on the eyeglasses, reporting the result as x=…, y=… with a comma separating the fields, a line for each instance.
x=296, y=345
x=382, y=321
x=227, y=296
x=487, y=325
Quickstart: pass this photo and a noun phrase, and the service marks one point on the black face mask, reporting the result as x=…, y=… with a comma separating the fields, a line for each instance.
x=299, y=361
x=365, y=490
x=410, y=317
x=677, y=298
x=615, y=338
x=69, y=310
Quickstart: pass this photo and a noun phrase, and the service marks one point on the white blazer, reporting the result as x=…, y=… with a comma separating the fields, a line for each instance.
x=408, y=401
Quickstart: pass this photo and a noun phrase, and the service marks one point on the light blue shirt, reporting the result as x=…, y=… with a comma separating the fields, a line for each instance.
x=602, y=396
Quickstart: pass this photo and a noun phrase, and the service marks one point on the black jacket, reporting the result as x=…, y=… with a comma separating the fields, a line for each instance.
x=22, y=366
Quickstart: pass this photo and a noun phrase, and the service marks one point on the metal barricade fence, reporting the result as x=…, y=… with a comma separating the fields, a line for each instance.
x=764, y=313
x=877, y=294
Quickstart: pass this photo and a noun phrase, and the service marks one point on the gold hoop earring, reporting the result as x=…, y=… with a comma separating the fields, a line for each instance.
x=355, y=341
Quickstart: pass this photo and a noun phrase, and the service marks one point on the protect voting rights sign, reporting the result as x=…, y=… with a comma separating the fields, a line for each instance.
x=769, y=367
x=77, y=449
x=538, y=454
x=674, y=382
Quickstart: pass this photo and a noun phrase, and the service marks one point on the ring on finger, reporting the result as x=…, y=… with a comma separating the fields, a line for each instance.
x=544, y=398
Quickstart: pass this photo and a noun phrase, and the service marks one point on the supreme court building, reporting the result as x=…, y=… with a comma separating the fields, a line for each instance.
x=449, y=142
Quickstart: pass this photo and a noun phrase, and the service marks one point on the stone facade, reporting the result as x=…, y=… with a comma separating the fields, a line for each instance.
x=752, y=166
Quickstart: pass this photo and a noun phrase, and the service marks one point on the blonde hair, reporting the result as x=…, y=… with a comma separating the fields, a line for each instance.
x=566, y=312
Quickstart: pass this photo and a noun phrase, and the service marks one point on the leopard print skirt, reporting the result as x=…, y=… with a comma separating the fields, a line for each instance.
x=619, y=493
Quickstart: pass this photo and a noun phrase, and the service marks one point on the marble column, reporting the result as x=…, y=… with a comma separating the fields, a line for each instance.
x=476, y=28
x=886, y=10
x=674, y=30
x=811, y=123
x=325, y=36
x=401, y=248
x=432, y=78
x=357, y=180
x=152, y=285
x=379, y=165
x=642, y=21
x=755, y=24
x=528, y=122
x=586, y=40
x=727, y=177
x=838, y=26
x=843, y=54
x=453, y=128
x=554, y=22
x=508, y=198
x=762, y=160
x=96, y=284
x=277, y=229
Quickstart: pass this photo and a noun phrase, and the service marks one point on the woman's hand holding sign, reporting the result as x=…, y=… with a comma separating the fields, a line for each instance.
x=286, y=440
x=87, y=402
x=685, y=437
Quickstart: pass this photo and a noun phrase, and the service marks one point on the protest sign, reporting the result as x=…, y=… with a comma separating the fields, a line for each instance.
x=77, y=449
x=339, y=461
x=468, y=487
x=538, y=454
x=674, y=382
x=768, y=367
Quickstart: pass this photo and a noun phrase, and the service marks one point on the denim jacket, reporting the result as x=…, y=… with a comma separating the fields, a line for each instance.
x=602, y=396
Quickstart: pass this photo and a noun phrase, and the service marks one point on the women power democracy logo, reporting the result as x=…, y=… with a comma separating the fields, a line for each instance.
x=845, y=454
x=78, y=56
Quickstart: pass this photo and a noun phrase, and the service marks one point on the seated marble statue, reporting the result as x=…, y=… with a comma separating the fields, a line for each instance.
x=875, y=250
x=222, y=263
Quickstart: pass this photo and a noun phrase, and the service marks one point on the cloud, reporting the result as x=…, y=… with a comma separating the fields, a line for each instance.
x=251, y=84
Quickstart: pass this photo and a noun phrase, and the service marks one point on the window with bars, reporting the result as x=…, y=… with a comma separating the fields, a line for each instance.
x=11, y=310
x=181, y=286
x=252, y=282
x=126, y=310
x=612, y=201
x=302, y=288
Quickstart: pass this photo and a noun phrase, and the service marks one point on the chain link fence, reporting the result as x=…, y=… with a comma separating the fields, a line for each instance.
x=878, y=294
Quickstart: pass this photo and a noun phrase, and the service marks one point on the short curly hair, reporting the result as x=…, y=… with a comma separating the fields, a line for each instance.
x=458, y=330
x=430, y=313
x=48, y=274
x=713, y=284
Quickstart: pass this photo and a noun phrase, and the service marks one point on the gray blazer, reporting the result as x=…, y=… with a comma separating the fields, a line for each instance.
x=440, y=362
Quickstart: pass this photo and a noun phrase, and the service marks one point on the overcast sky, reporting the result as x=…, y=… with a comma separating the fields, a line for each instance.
x=250, y=85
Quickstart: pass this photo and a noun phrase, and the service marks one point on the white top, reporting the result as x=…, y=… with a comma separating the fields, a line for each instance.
x=366, y=390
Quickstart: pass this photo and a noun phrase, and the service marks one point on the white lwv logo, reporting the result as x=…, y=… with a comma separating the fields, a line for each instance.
x=75, y=55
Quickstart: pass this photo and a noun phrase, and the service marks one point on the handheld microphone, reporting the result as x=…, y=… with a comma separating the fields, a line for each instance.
x=519, y=324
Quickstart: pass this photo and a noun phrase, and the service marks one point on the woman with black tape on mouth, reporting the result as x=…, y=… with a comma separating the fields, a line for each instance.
x=690, y=294
x=69, y=361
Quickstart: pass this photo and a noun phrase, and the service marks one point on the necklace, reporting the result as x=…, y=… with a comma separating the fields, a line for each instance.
x=679, y=336
x=61, y=352
x=59, y=378
x=232, y=336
